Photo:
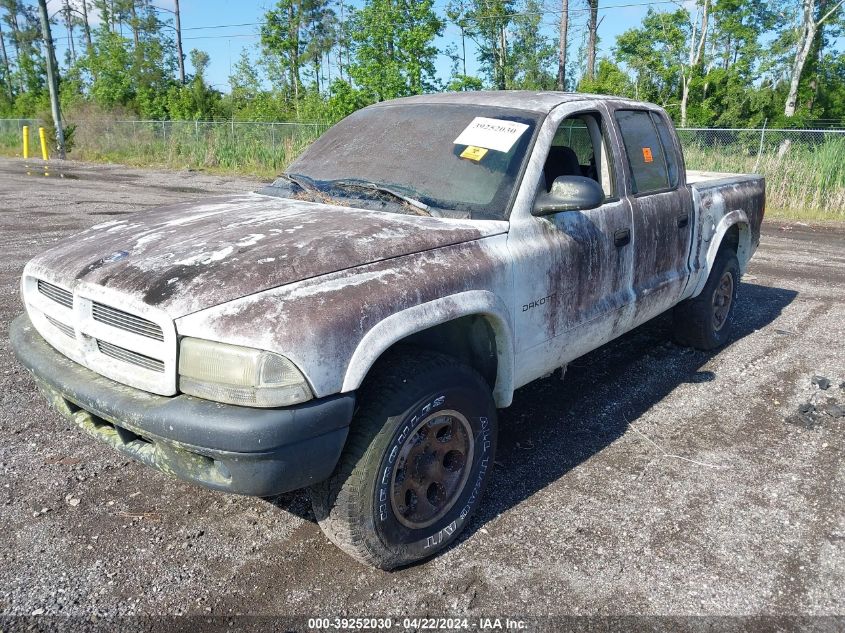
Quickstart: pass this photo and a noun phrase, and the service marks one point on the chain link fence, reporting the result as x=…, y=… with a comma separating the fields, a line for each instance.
x=804, y=169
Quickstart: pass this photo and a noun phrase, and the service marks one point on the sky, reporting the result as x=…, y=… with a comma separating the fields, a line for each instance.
x=223, y=28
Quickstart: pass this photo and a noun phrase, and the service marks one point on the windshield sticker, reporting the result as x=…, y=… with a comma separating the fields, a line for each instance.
x=474, y=153
x=495, y=134
x=647, y=157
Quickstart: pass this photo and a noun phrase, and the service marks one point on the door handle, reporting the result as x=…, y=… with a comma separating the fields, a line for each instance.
x=622, y=237
x=683, y=221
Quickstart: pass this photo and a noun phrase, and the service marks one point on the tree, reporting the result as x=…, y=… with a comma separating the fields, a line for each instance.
x=532, y=53
x=22, y=19
x=86, y=26
x=7, y=72
x=814, y=14
x=280, y=38
x=67, y=14
x=180, y=56
x=609, y=79
x=195, y=100
x=321, y=34
x=592, y=38
x=563, y=41
x=656, y=52
x=487, y=25
x=393, y=47
x=696, y=57
x=459, y=81
x=52, y=76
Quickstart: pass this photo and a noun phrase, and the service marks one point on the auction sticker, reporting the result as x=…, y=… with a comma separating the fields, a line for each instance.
x=473, y=153
x=495, y=134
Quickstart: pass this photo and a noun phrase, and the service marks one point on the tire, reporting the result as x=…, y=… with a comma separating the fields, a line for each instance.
x=704, y=322
x=419, y=455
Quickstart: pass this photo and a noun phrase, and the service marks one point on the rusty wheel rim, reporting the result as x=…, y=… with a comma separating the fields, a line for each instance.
x=722, y=299
x=432, y=467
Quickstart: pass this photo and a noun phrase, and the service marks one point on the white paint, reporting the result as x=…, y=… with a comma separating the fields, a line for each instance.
x=207, y=258
x=251, y=239
x=426, y=315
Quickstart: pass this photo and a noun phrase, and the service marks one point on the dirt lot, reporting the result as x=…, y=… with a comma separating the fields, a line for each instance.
x=653, y=480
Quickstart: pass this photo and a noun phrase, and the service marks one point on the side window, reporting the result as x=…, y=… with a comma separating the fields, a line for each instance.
x=644, y=150
x=668, y=147
x=579, y=149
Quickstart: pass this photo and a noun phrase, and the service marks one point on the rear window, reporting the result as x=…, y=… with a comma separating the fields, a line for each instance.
x=645, y=151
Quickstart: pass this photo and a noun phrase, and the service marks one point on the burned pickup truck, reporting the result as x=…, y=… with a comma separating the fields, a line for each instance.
x=354, y=327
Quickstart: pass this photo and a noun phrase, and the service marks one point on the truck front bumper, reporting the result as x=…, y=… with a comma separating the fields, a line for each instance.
x=250, y=451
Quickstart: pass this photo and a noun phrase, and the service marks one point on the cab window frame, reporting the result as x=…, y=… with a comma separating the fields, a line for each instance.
x=650, y=115
x=609, y=158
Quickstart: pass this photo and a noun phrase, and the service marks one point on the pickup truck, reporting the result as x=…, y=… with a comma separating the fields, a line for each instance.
x=354, y=327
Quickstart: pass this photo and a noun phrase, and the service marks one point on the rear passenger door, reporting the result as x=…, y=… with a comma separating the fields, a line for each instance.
x=661, y=205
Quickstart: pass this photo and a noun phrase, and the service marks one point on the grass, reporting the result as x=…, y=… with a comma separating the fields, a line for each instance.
x=253, y=149
x=805, y=179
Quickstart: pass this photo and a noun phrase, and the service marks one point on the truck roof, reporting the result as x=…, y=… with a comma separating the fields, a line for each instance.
x=535, y=101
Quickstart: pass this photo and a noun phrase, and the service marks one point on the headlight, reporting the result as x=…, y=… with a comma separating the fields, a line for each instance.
x=239, y=375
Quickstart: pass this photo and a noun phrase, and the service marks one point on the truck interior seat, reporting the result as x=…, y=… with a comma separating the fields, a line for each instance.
x=562, y=161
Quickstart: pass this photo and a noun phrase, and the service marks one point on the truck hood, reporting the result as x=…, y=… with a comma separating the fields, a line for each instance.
x=191, y=256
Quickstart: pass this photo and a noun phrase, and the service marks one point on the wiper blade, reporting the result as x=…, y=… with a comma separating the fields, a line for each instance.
x=371, y=186
x=299, y=181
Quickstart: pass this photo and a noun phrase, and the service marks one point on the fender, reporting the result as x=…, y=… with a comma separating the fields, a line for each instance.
x=397, y=326
x=736, y=217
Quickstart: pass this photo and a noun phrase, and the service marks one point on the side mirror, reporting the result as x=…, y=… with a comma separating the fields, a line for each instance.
x=569, y=193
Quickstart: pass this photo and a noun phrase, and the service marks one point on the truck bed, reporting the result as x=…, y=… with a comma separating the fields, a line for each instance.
x=717, y=196
x=695, y=177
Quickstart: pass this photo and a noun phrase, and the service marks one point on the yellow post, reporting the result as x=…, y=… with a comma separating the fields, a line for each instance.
x=26, y=141
x=43, y=136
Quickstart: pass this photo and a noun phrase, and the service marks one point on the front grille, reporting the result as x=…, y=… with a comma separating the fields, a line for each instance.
x=125, y=321
x=59, y=295
x=61, y=327
x=134, y=344
x=128, y=356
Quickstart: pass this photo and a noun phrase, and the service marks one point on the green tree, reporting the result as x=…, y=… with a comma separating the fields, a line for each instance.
x=29, y=76
x=656, y=52
x=393, y=47
x=194, y=100
x=458, y=80
x=294, y=33
x=488, y=22
x=609, y=80
x=533, y=54
x=321, y=36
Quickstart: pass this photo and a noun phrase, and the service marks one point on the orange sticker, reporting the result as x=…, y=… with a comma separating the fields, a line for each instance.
x=647, y=157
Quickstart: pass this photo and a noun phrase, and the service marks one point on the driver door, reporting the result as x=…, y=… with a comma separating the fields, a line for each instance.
x=572, y=269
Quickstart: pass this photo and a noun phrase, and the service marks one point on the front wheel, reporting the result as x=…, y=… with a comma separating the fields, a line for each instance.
x=419, y=455
x=704, y=322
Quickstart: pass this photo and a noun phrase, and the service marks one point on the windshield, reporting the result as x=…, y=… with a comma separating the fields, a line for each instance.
x=457, y=160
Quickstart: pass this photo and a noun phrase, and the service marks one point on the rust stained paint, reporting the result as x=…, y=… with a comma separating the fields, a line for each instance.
x=320, y=322
x=188, y=257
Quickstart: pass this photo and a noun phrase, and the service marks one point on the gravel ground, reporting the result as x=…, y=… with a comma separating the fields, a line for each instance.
x=653, y=480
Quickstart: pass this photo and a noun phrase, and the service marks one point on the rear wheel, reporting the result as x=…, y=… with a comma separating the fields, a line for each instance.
x=705, y=321
x=418, y=457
